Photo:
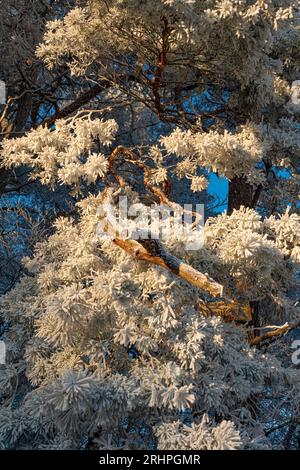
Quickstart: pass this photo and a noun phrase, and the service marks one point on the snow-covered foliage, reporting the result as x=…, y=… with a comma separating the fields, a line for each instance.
x=109, y=337
x=103, y=337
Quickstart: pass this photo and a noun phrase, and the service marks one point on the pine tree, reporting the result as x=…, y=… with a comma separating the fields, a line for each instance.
x=125, y=342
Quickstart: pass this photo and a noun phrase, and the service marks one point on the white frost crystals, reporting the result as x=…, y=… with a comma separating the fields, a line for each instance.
x=227, y=154
x=204, y=436
x=59, y=154
x=294, y=103
x=157, y=222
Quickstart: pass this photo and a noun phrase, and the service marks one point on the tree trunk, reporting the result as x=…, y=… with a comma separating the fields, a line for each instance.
x=240, y=194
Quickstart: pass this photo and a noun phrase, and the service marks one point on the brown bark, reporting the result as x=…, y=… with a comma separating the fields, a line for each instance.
x=14, y=129
x=80, y=101
x=240, y=194
x=153, y=252
x=276, y=332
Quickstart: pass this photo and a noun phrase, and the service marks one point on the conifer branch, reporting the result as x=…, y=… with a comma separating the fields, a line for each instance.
x=153, y=252
x=271, y=334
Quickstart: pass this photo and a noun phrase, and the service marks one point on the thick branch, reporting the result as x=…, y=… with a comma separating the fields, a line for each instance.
x=85, y=98
x=76, y=104
x=162, y=62
x=278, y=331
x=153, y=252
